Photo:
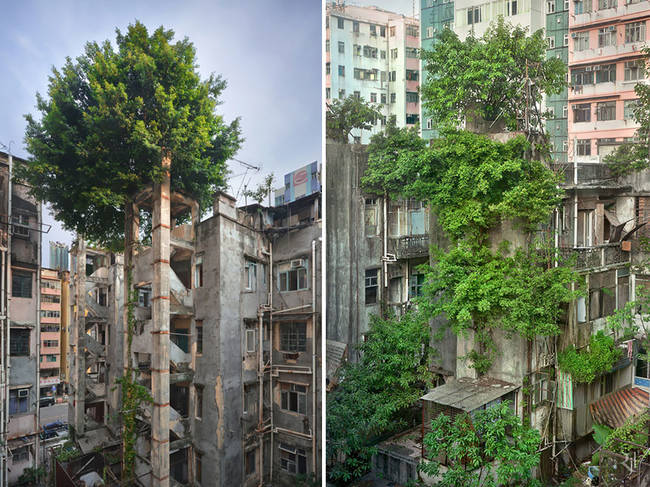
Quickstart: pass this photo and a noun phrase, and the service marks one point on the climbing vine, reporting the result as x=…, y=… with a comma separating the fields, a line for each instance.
x=585, y=365
x=133, y=394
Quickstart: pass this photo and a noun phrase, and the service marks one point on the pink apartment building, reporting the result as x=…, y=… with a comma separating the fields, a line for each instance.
x=50, y=352
x=604, y=66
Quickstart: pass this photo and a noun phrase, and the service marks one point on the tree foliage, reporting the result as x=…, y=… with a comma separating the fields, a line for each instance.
x=344, y=116
x=107, y=119
x=488, y=449
x=485, y=76
x=585, y=365
x=391, y=376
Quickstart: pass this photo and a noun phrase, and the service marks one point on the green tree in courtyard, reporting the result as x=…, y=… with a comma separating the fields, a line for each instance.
x=374, y=394
x=109, y=116
x=490, y=448
x=486, y=76
x=344, y=116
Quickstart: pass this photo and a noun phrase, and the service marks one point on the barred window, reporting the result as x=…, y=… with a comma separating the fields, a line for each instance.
x=19, y=344
x=293, y=337
x=292, y=459
x=294, y=398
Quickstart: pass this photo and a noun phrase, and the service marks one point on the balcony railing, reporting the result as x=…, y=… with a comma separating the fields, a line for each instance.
x=409, y=246
x=594, y=257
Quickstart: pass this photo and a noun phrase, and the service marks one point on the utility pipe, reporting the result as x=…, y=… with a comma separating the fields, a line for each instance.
x=313, y=355
x=7, y=330
x=37, y=418
x=260, y=376
x=270, y=299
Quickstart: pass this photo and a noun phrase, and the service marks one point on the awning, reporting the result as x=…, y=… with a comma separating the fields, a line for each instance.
x=469, y=394
x=614, y=408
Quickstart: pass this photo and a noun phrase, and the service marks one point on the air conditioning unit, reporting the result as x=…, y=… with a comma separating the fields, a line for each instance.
x=612, y=28
x=297, y=263
x=574, y=35
x=596, y=68
x=23, y=392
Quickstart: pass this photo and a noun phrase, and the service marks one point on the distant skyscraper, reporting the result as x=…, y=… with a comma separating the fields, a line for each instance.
x=373, y=54
x=59, y=256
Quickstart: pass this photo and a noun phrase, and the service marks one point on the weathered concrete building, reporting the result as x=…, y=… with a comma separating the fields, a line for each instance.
x=50, y=353
x=232, y=368
x=20, y=245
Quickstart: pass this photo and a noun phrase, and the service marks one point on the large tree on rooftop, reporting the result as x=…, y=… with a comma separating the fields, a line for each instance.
x=108, y=118
x=486, y=76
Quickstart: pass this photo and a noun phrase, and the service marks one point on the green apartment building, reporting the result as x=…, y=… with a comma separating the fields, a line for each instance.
x=557, y=37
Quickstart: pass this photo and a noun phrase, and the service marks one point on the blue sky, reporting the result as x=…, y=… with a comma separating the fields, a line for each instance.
x=269, y=52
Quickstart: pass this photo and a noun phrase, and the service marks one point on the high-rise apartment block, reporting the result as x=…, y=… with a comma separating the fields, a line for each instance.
x=373, y=54
x=50, y=352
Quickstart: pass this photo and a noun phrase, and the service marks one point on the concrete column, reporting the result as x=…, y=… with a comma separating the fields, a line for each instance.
x=160, y=240
x=79, y=373
x=131, y=229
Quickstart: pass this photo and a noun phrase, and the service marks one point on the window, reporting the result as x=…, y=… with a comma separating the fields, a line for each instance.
x=383, y=55
x=373, y=97
x=551, y=42
x=393, y=97
x=628, y=109
x=250, y=272
x=341, y=47
x=197, y=461
x=293, y=336
x=250, y=462
x=49, y=298
x=20, y=225
x=371, y=285
x=19, y=401
x=19, y=345
x=606, y=110
x=21, y=284
x=20, y=455
x=328, y=68
x=605, y=147
x=633, y=70
x=473, y=15
x=605, y=73
x=565, y=111
x=550, y=7
x=355, y=26
x=581, y=41
x=607, y=36
x=392, y=31
x=50, y=358
x=369, y=51
x=635, y=32
x=198, y=271
x=373, y=30
x=412, y=118
x=603, y=4
x=412, y=97
x=294, y=398
x=292, y=459
x=393, y=53
x=340, y=23
x=50, y=343
x=582, y=112
x=328, y=93
x=581, y=76
x=327, y=46
x=356, y=49
x=583, y=147
x=250, y=340
x=417, y=281
x=295, y=278
x=341, y=94
x=392, y=76
x=412, y=30
x=51, y=284
x=512, y=7
x=411, y=52
x=383, y=98
x=199, y=336
x=429, y=31
x=50, y=314
x=412, y=75
x=341, y=70
x=382, y=31
x=566, y=40
x=199, y=401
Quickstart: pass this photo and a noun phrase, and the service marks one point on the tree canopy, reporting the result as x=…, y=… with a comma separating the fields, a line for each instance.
x=486, y=76
x=371, y=400
x=344, y=116
x=107, y=119
x=490, y=448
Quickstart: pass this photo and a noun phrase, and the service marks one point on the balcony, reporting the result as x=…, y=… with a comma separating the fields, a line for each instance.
x=600, y=256
x=409, y=246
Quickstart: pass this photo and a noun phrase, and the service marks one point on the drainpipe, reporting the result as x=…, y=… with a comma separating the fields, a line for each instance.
x=384, y=259
x=271, y=358
x=3, y=313
x=260, y=376
x=575, y=195
x=37, y=418
x=313, y=355
x=7, y=330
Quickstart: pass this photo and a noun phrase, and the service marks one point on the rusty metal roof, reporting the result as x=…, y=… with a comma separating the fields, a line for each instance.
x=614, y=408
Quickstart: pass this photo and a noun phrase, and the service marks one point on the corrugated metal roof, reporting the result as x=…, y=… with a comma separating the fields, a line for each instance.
x=614, y=408
x=468, y=394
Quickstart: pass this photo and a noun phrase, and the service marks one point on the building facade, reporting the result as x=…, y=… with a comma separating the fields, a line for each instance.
x=373, y=54
x=50, y=352
x=234, y=380
x=20, y=231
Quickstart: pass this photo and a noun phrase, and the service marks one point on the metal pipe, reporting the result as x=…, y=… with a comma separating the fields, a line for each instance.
x=289, y=310
x=37, y=418
x=313, y=355
x=271, y=405
x=260, y=375
x=7, y=330
x=575, y=195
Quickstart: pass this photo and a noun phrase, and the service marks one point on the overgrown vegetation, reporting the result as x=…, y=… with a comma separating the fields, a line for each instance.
x=587, y=364
x=487, y=449
x=108, y=117
x=344, y=116
x=374, y=394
